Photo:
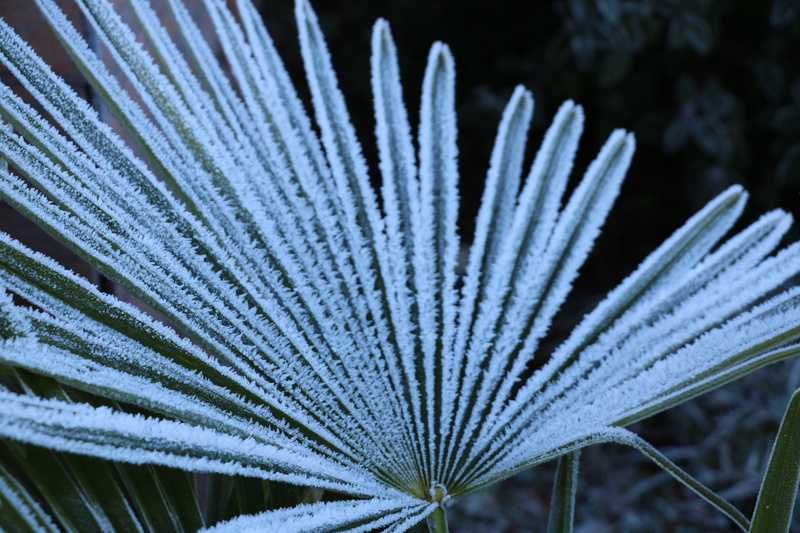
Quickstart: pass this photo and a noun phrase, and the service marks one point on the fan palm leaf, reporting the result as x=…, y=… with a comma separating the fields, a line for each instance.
x=315, y=334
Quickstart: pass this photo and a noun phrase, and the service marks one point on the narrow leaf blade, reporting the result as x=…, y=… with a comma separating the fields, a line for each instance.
x=778, y=493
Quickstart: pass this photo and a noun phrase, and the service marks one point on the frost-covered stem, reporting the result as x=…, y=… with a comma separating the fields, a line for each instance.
x=437, y=521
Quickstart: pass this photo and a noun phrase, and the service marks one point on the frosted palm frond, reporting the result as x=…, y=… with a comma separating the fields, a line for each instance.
x=323, y=337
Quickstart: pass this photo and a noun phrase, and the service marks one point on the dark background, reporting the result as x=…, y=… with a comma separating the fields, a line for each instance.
x=711, y=89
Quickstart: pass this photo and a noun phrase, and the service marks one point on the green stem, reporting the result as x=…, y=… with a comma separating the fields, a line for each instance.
x=562, y=508
x=437, y=521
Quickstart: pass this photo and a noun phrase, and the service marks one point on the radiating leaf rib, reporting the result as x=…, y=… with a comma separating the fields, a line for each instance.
x=342, y=149
x=78, y=295
x=400, y=195
x=718, y=270
x=400, y=184
x=274, y=127
x=238, y=53
x=346, y=515
x=270, y=94
x=713, y=357
x=494, y=220
x=527, y=452
x=79, y=120
x=95, y=367
x=207, y=69
x=267, y=91
x=113, y=28
x=293, y=142
x=361, y=221
x=436, y=246
x=495, y=215
x=262, y=138
x=97, y=248
x=274, y=98
x=573, y=236
x=660, y=270
x=93, y=136
x=410, y=522
x=86, y=494
x=139, y=199
x=228, y=183
x=719, y=295
x=516, y=462
x=51, y=278
x=93, y=481
x=203, y=104
x=711, y=380
x=763, y=335
x=320, y=323
x=85, y=125
x=539, y=295
x=534, y=218
x=669, y=315
x=239, y=140
x=101, y=432
x=360, y=215
x=343, y=154
x=189, y=135
x=345, y=308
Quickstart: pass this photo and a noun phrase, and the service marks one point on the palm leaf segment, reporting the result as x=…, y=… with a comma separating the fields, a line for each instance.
x=324, y=340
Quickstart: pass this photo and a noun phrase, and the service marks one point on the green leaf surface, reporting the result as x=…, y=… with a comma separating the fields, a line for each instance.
x=89, y=494
x=218, y=492
x=250, y=494
x=283, y=495
x=163, y=496
x=19, y=510
x=42, y=468
x=776, y=499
